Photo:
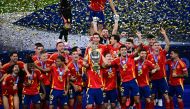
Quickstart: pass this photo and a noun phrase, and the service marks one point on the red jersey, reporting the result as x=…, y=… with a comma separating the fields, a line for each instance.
x=7, y=65
x=55, y=55
x=76, y=71
x=34, y=86
x=142, y=72
x=7, y=85
x=45, y=76
x=97, y=5
x=110, y=79
x=114, y=51
x=177, y=67
x=126, y=68
x=101, y=48
x=160, y=60
x=148, y=48
x=59, y=78
x=95, y=79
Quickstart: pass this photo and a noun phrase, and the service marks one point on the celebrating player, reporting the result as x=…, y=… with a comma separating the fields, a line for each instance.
x=75, y=90
x=60, y=84
x=178, y=71
x=10, y=89
x=158, y=79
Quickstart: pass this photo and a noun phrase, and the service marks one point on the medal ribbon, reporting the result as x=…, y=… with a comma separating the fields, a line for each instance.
x=124, y=61
x=155, y=58
x=76, y=67
x=174, y=66
x=60, y=72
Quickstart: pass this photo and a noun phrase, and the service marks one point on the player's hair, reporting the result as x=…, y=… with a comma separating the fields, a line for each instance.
x=29, y=59
x=61, y=58
x=116, y=37
x=106, y=53
x=96, y=34
x=122, y=46
x=58, y=43
x=43, y=52
x=176, y=51
x=142, y=50
x=74, y=49
x=150, y=36
x=12, y=53
x=39, y=45
x=10, y=69
x=155, y=42
x=104, y=28
x=130, y=40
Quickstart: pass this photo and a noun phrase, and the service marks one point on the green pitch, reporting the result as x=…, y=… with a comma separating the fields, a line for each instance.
x=9, y=6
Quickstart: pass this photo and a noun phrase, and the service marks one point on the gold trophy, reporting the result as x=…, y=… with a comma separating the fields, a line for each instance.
x=95, y=57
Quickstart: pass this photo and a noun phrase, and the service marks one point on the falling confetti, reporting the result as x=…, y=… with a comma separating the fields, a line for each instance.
x=146, y=16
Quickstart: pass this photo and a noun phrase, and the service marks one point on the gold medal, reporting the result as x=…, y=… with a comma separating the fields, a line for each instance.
x=124, y=67
x=139, y=72
x=60, y=78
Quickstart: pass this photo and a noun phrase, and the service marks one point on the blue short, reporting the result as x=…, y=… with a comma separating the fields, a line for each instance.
x=98, y=14
x=176, y=90
x=84, y=98
x=145, y=91
x=130, y=86
x=27, y=99
x=94, y=95
x=47, y=88
x=58, y=94
x=72, y=93
x=160, y=85
x=111, y=95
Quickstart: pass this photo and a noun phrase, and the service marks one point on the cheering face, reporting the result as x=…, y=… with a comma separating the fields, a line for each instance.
x=143, y=54
x=151, y=41
x=123, y=34
x=156, y=46
x=108, y=57
x=79, y=51
x=0, y=65
x=105, y=33
x=60, y=47
x=16, y=69
x=58, y=62
x=123, y=52
x=129, y=45
x=112, y=41
x=39, y=49
x=173, y=55
x=30, y=66
x=75, y=55
x=14, y=57
x=96, y=39
x=43, y=57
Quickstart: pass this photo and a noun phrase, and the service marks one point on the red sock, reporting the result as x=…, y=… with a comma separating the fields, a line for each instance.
x=71, y=107
x=138, y=105
x=123, y=106
x=79, y=106
x=151, y=105
x=98, y=106
x=147, y=105
x=167, y=104
x=171, y=104
x=89, y=108
x=181, y=105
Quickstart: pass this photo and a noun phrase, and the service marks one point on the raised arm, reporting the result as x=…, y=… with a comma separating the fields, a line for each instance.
x=112, y=7
x=167, y=46
x=115, y=27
